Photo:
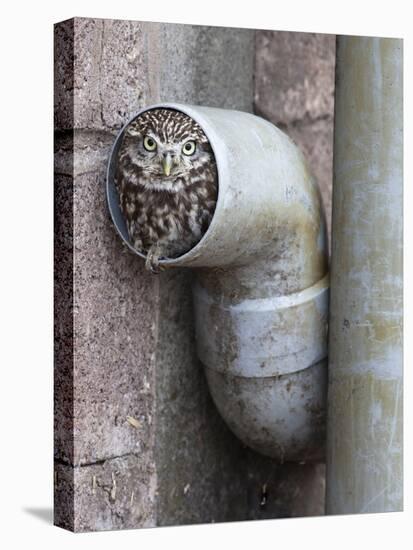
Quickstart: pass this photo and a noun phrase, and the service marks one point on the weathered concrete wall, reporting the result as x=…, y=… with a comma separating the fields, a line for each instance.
x=138, y=441
x=105, y=467
x=294, y=89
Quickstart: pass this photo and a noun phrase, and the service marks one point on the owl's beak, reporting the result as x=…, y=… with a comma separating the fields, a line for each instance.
x=167, y=164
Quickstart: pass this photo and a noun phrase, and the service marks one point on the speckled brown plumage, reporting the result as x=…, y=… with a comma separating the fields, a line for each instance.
x=167, y=192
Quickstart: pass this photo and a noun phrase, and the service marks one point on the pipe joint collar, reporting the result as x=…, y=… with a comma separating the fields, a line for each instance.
x=258, y=338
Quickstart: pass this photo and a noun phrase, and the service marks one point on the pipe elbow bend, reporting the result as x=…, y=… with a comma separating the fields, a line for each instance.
x=261, y=290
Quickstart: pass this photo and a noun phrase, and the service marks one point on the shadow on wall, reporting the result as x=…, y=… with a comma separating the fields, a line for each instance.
x=44, y=514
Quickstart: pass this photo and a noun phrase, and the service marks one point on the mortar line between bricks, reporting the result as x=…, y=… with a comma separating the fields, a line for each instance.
x=102, y=46
x=63, y=133
x=95, y=463
x=296, y=122
x=305, y=121
x=76, y=174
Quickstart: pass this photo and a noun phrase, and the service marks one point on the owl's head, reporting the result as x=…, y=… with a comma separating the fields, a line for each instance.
x=166, y=149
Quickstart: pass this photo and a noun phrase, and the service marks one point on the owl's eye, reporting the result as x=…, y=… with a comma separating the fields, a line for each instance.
x=189, y=148
x=149, y=143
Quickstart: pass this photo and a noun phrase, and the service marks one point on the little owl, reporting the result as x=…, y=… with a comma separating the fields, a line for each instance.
x=167, y=183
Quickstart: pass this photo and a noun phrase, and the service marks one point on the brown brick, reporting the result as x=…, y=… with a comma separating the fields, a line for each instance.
x=294, y=76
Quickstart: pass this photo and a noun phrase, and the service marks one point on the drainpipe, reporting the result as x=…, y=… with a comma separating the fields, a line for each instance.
x=261, y=290
x=364, y=442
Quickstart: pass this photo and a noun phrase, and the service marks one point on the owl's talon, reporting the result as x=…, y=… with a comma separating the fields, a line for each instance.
x=151, y=265
x=152, y=261
x=155, y=269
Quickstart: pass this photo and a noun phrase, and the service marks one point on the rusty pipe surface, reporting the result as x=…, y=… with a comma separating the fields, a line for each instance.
x=261, y=290
x=364, y=443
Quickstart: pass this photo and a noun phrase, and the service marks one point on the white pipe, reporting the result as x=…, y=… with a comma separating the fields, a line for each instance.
x=364, y=443
x=261, y=291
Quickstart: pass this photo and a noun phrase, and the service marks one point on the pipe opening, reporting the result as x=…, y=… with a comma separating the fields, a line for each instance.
x=162, y=183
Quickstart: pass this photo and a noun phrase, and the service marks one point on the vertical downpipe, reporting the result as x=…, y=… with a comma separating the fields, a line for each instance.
x=364, y=441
